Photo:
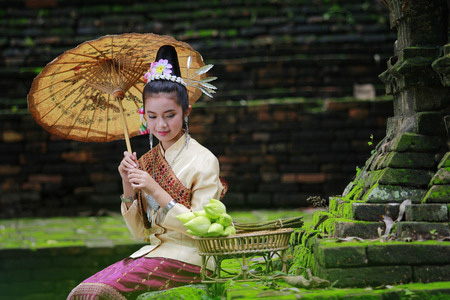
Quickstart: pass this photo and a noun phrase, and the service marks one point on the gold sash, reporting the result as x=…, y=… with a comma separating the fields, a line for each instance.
x=166, y=178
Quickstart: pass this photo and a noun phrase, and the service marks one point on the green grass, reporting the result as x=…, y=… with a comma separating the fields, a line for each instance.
x=66, y=231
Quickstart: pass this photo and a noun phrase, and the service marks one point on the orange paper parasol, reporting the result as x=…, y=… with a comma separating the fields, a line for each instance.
x=92, y=93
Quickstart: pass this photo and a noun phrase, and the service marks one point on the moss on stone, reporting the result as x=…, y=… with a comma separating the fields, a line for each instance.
x=415, y=142
x=194, y=291
x=409, y=177
x=445, y=161
x=437, y=194
x=380, y=193
x=442, y=176
x=410, y=160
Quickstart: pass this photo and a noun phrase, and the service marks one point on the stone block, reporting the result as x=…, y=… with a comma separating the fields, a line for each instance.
x=374, y=212
x=426, y=212
x=331, y=254
x=442, y=176
x=431, y=273
x=408, y=253
x=430, y=123
x=366, y=276
x=415, y=142
x=379, y=193
x=9, y=136
x=429, y=99
x=409, y=160
x=365, y=230
x=437, y=194
x=422, y=230
x=409, y=177
x=445, y=161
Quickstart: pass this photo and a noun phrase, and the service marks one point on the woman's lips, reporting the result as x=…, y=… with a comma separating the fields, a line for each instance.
x=163, y=133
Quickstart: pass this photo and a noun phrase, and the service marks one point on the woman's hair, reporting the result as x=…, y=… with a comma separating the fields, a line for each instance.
x=166, y=86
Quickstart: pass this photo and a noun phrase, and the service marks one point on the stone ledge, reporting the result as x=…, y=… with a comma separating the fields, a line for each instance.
x=372, y=263
x=414, y=253
x=374, y=212
x=365, y=230
x=333, y=255
x=422, y=230
x=428, y=274
x=437, y=194
x=366, y=276
x=426, y=212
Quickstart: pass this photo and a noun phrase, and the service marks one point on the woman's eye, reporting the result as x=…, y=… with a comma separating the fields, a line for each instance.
x=170, y=116
x=151, y=117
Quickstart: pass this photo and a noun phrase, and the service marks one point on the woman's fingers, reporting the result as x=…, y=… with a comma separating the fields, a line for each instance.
x=129, y=160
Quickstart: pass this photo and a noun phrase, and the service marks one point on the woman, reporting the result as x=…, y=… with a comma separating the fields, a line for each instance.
x=176, y=176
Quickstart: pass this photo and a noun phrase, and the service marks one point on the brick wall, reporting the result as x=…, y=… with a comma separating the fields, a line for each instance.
x=272, y=155
x=261, y=49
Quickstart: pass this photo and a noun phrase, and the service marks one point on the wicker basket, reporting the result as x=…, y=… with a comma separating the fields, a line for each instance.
x=243, y=247
x=256, y=241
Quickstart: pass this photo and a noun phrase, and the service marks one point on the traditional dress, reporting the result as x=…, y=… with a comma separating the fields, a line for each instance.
x=171, y=259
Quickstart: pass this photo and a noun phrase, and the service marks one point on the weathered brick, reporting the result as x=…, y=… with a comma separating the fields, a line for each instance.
x=380, y=193
x=365, y=230
x=431, y=273
x=10, y=136
x=374, y=212
x=331, y=254
x=422, y=230
x=442, y=176
x=43, y=178
x=366, y=276
x=409, y=253
x=411, y=160
x=426, y=212
x=411, y=177
x=445, y=161
x=437, y=194
x=415, y=142
x=311, y=178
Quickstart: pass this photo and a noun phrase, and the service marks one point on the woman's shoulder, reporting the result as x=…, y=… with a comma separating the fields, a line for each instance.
x=199, y=152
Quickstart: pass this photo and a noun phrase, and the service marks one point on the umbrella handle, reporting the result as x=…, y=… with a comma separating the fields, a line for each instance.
x=119, y=96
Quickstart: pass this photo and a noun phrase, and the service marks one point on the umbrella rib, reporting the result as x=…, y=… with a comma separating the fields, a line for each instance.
x=85, y=55
x=101, y=53
x=92, y=120
x=56, y=105
x=79, y=114
x=51, y=95
x=107, y=118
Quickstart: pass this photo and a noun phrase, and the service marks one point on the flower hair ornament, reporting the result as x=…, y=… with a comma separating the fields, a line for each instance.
x=166, y=67
x=162, y=69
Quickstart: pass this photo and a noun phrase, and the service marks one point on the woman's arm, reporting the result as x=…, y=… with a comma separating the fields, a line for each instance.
x=129, y=162
x=205, y=185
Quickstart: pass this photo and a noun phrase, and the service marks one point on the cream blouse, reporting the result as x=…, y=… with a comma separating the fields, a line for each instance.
x=197, y=169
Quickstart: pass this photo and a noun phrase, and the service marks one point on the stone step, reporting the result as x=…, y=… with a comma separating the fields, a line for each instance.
x=422, y=230
x=405, y=230
x=373, y=263
x=433, y=212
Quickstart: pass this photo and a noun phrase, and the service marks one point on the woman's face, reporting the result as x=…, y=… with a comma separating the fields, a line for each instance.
x=165, y=117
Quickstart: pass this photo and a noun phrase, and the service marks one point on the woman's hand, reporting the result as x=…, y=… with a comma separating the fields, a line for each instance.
x=128, y=163
x=141, y=180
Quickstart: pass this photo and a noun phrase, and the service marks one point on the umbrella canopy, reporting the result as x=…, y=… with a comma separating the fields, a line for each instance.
x=92, y=93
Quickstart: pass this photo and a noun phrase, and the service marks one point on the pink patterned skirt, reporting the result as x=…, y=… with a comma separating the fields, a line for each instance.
x=130, y=277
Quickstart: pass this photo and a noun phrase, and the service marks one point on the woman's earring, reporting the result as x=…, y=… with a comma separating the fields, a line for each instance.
x=187, y=131
x=150, y=139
